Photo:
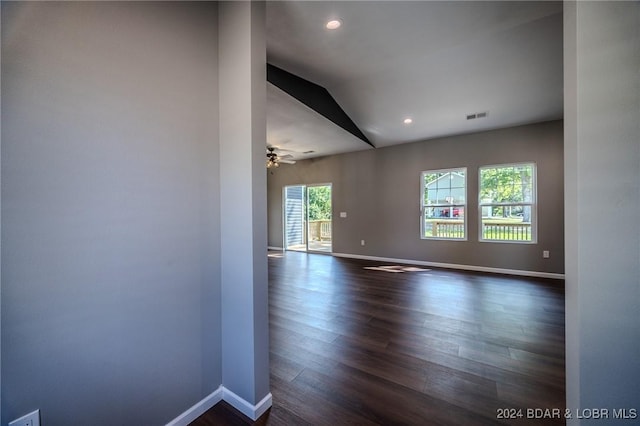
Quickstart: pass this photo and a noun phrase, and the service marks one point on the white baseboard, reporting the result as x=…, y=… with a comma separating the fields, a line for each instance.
x=252, y=411
x=249, y=410
x=275, y=248
x=198, y=409
x=535, y=274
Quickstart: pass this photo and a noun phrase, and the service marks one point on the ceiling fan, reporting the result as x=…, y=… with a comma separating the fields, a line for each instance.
x=274, y=160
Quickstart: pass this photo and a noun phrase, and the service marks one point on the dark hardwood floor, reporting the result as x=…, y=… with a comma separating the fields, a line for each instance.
x=364, y=347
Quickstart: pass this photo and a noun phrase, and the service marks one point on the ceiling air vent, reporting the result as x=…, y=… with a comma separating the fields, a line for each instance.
x=477, y=115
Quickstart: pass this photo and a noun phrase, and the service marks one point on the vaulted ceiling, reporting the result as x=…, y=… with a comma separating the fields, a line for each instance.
x=433, y=62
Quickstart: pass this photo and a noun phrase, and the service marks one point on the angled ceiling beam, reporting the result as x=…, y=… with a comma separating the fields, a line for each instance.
x=315, y=97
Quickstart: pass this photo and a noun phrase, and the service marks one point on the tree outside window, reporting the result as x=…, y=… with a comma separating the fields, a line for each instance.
x=507, y=203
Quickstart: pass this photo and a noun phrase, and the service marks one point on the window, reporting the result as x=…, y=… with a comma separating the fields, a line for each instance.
x=444, y=195
x=507, y=203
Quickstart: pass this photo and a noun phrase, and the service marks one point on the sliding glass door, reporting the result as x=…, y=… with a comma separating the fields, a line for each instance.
x=307, y=217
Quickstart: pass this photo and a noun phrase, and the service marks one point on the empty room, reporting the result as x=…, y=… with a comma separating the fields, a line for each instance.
x=320, y=213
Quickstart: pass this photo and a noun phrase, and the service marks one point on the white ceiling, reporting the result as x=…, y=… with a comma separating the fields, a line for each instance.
x=435, y=62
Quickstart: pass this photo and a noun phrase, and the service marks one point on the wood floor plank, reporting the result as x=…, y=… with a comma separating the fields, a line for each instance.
x=355, y=346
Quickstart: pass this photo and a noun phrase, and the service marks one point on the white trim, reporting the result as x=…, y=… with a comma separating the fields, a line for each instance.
x=457, y=266
x=252, y=411
x=275, y=248
x=223, y=394
x=198, y=409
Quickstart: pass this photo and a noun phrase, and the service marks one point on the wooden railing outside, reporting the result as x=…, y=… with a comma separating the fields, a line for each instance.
x=319, y=230
x=491, y=229
x=446, y=228
x=505, y=231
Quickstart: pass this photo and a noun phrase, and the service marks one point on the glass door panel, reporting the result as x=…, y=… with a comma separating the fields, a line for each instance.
x=319, y=226
x=295, y=225
x=307, y=218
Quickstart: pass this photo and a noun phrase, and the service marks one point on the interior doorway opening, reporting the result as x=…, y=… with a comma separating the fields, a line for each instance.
x=307, y=218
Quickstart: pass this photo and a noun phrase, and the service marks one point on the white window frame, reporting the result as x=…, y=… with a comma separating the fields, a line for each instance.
x=424, y=207
x=533, y=204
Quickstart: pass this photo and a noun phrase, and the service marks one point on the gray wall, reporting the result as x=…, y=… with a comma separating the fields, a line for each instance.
x=110, y=211
x=380, y=192
x=602, y=155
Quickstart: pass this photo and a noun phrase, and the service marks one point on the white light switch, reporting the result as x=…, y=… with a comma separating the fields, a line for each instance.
x=343, y=214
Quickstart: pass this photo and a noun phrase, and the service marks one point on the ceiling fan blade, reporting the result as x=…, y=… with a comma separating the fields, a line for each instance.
x=280, y=160
x=285, y=150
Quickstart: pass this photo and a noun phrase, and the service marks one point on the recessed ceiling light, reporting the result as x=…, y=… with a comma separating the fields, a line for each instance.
x=408, y=121
x=333, y=24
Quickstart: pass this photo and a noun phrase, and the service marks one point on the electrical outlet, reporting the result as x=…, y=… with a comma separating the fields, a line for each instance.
x=361, y=242
x=545, y=254
x=31, y=419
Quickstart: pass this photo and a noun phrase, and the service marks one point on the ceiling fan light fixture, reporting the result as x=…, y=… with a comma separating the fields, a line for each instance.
x=273, y=161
